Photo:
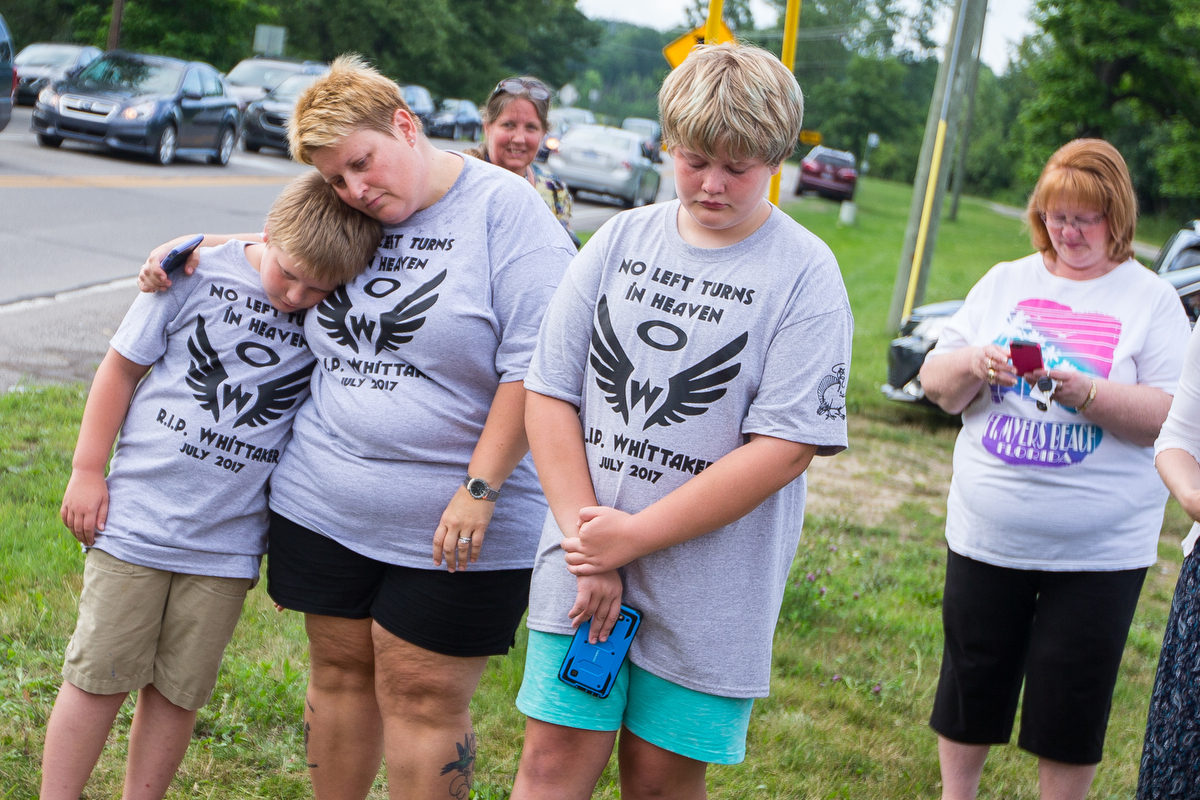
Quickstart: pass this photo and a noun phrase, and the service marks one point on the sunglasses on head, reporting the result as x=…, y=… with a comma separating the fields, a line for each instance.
x=517, y=86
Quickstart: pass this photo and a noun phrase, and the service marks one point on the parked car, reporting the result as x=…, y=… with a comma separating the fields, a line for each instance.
x=1181, y=251
x=829, y=173
x=420, y=102
x=650, y=131
x=457, y=119
x=152, y=105
x=8, y=75
x=252, y=78
x=598, y=158
x=267, y=119
x=921, y=331
x=39, y=65
x=561, y=120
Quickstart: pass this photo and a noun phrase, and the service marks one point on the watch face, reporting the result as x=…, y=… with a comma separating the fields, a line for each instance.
x=477, y=488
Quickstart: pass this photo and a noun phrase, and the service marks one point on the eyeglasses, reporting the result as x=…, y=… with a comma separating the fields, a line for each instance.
x=517, y=86
x=1081, y=224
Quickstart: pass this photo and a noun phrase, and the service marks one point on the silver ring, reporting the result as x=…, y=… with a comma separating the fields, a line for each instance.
x=464, y=540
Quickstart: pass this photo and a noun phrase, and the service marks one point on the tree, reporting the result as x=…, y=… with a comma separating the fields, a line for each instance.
x=1124, y=70
x=737, y=14
x=412, y=41
x=217, y=31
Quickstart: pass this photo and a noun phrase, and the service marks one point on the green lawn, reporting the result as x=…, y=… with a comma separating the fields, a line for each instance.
x=856, y=652
x=869, y=254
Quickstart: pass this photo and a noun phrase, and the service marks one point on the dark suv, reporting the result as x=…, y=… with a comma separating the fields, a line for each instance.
x=155, y=106
x=267, y=119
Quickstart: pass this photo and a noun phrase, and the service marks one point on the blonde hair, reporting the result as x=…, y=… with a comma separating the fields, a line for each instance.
x=732, y=98
x=330, y=241
x=352, y=96
x=1090, y=173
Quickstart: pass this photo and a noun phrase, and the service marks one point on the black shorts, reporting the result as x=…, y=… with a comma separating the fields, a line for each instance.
x=1063, y=633
x=463, y=614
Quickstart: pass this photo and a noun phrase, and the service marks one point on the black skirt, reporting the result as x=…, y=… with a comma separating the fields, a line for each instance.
x=1171, y=755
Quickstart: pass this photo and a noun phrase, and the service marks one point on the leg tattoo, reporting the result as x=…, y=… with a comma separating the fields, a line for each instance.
x=464, y=767
x=307, y=731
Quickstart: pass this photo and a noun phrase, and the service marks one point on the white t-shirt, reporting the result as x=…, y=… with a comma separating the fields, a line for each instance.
x=410, y=355
x=208, y=424
x=675, y=354
x=1051, y=490
x=1181, y=431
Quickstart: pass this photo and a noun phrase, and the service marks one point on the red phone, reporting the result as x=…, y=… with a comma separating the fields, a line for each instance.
x=1025, y=356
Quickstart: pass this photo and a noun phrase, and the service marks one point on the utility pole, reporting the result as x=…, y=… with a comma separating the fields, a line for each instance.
x=791, y=22
x=114, y=28
x=964, y=141
x=933, y=169
x=712, y=26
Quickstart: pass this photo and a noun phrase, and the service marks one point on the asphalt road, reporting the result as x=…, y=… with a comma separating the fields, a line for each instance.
x=77, y=222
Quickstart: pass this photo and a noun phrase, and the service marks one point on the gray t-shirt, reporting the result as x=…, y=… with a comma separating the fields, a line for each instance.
x=674, y=354
x=410, y=355
x=208, y=424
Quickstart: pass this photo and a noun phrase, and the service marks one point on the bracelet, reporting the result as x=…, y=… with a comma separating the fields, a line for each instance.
x=1091, y=396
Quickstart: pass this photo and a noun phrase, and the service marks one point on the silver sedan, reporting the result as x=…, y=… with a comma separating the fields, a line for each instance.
x=605, y=160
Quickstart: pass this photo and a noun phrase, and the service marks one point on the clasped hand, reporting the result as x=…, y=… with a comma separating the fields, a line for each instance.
x=605, y=540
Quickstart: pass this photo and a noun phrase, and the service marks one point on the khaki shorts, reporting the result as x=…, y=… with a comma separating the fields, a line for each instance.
x=139, y=625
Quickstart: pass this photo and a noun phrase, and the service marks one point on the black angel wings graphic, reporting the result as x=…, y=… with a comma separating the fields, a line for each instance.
x=690, y=392
x=396, y=327
x=207, y=377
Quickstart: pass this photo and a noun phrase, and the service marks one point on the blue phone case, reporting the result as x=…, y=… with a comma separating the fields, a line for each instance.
x=594, y=667
x=179, y=256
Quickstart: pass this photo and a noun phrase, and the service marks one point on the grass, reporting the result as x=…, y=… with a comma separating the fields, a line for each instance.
x=857, y=648
x=869, y=254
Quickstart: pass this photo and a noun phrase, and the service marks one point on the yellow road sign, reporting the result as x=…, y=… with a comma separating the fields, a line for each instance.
x=678, y=50
x=810, y=137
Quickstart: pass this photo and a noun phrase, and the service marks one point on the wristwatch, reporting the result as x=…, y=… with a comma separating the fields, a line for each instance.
x=479, y=489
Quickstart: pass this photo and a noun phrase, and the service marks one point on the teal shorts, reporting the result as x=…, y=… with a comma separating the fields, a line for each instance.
x=700, y=726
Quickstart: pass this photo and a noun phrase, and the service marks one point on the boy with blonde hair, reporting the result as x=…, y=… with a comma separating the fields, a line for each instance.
x=175, y=533
x=690, y=365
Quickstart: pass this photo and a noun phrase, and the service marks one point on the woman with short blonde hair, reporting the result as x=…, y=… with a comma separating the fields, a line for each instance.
x=403, y=510
x=1054, y=507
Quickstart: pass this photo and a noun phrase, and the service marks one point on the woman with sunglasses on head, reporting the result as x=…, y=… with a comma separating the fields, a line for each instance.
x=405, y=513
x=515, y=120
x=1053, y=515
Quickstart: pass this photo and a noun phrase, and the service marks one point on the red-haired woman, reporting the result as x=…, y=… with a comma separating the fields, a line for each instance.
x=1055, y=507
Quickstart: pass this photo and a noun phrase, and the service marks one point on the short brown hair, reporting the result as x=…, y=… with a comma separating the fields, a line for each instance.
x=332, y=242
x=352, y=96
x=734, y=98
x=1090, y=173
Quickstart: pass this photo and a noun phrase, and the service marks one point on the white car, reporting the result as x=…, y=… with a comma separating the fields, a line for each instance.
x=605, y=160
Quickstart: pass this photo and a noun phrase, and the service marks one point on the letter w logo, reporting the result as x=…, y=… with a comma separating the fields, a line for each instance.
x=235, y=395
x=360, y=325
x=638, y=391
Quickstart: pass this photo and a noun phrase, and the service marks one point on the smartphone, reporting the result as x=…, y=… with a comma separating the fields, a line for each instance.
x=1025, y=356
x=179, y=256
x=594, y=667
